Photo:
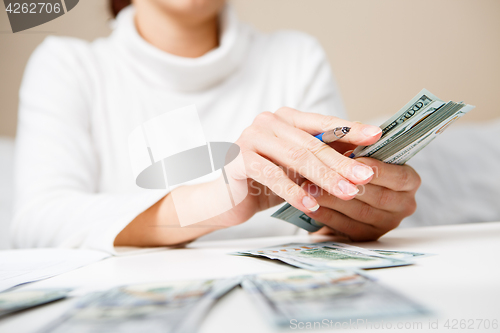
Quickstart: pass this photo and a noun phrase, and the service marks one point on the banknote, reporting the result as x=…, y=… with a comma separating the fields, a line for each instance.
x=287, y=298
x=402, y=254
x=12, y=301
x=418, y=103
x=405, y=134
x=291, y=214
x=423, y=104
x=177, y=306
x=410, y=144
x=424, y=114
x=327, y=256
x=389, y=142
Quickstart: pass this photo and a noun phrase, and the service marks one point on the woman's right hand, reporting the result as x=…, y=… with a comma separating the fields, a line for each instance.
x=279, y=151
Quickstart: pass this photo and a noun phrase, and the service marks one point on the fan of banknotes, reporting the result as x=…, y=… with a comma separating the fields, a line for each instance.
x=299, y=298
x=162, y=307
x=328, y=287
x=406, y=133
x=332, y=255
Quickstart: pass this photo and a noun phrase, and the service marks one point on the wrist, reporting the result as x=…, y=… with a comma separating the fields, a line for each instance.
x=196, y=207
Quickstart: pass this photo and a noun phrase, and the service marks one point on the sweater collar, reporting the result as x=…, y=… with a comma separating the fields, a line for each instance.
x=179, y=73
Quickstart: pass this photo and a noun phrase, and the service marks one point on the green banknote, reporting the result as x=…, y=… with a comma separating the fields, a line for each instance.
x=327, y=256
x=402, y=254
x=300, y=296
x=405, y=134
x=177, y=306
x=12, y=301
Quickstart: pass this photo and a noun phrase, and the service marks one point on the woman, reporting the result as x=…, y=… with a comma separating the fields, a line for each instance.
x=79, y=102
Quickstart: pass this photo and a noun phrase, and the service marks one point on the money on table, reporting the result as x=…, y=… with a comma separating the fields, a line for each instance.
x=327, y=256
x=405, y=134
x=177, y=306
x=180, y=306
x=402, y=254
x=12, y=301
x=338, y=295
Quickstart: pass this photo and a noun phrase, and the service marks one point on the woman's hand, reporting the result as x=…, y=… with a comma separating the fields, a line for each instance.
x=378, y=208
x=280, y=151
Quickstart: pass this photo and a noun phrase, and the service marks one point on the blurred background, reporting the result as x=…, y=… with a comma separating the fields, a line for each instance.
x=382, y=53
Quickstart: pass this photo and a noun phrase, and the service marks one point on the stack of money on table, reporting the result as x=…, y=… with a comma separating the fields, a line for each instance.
x=329, y=287
x=405, y=134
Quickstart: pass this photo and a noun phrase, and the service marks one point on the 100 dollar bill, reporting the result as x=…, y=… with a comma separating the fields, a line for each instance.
x=403, y=127
x=299, y=296
x=405, y=134
x=291, y=214
x=326, y=256
x=162, y=307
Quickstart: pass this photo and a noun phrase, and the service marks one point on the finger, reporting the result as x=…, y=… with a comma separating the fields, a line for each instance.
x=272, y=176
x=294, y=176
x=304, y=162
x=325, y=231
x=356, y=231
x=357, y=173
x=355, y=209
x=392, y=176
x=348, y=153
x=342, y=147
x=331, y=232
x=314, y=124
x=383, y=198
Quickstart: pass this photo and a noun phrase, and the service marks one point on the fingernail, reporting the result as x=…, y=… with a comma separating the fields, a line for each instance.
x=313, y=190
x=310, y=203
x=370, y=131
x=348, y=188
x=362, y=172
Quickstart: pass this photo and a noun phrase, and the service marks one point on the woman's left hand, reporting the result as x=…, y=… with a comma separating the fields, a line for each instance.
x=379, y=207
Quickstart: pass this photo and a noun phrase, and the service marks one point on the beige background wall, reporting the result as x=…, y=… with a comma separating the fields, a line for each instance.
x=382, y=52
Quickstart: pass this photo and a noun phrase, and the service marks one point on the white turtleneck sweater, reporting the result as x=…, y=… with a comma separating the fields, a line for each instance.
x=79, y=101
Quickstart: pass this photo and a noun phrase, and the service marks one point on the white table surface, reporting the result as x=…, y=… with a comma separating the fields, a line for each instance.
x=462, y=281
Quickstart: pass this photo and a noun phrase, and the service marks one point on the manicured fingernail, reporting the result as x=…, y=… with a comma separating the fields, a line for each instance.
x=362, y=172
x=313, y=190
x=370, y=131
x=348, y=188
x=310, y=203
